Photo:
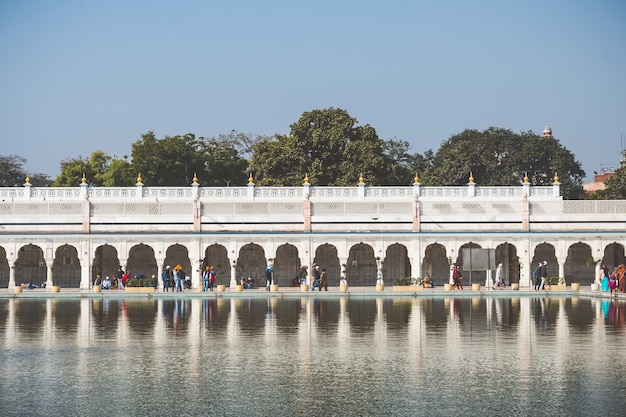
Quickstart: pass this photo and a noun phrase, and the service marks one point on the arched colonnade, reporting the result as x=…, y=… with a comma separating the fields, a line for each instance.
x=75, y=264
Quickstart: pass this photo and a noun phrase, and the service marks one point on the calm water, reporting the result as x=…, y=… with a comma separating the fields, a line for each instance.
x=314, y=357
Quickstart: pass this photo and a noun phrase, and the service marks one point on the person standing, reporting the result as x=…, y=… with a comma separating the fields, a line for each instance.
x=499, y=280
x=457, y=278
x=535, y=276
x=324, y=280
x=303, y=274
x=120, y=275
x=177, y=283
x=543, y=274
x=165, y=277
x=317, y=282
x=269, y=276
x=212, y=277
x=604, y=277
x=205, y=277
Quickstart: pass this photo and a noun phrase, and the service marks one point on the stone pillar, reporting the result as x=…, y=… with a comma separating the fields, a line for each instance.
x=139, y=189
x=306, y=215
x=159, y=275
x=525, y=212
x=561, y=267
x=471, y=189
x=49, y=263
x=197, y=214
x=28, y=193
x=250, y=187
x=85, y=275
x=12, y=274
x=556, y=187
x=361, y=187
x=416, y=215
x=343, y=263
x=233, y=273
x=306, y=205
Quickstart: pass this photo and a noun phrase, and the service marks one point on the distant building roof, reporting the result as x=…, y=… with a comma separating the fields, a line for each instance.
x=598, y=182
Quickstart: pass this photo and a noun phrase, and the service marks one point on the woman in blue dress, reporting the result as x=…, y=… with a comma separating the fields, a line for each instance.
x=604, y=280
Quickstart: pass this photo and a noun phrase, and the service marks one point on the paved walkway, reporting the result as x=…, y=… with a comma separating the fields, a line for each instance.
x=296, y=292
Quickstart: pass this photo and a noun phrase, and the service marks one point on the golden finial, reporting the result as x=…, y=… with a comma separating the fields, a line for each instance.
x=471, y=178
x=525, y=177
x=250, y=179
x=556, y=177
x=361, y=179
x=306, y=179
x=84, y=179
x=195, y=179
x=139, y=181
x=27, y=179
x=416, y=179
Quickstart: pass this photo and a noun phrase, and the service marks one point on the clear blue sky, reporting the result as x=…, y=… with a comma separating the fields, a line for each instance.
x=78, y=76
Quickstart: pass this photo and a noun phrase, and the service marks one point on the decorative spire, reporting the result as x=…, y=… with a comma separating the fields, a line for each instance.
x=416, y=179
x=27, y=179
x=556, y=178
x=139, y=181
x=525, y=177
x=471, y=178
x=84, y=179
x=306, y=179
x=195, y=179
x=547, y=131
x=361, y=179
x=250, y=179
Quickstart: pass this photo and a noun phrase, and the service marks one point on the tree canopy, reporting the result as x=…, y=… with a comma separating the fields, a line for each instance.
x=327, y=146
x=330, y=148
x=13, y=174
x=498, y=156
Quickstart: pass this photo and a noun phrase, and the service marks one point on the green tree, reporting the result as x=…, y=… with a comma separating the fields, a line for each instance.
x=171, y=161
x=224, y=165
x=120, y=173
x=93, y=168
x=405, y=165
x=498, y=156
x=13, y=174
x=174, y=160
x=615, y=185
x=326, y=145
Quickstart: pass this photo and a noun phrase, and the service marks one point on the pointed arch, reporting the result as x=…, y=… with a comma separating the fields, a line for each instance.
x=66, y=267
x=436, y=264
x=326, y=257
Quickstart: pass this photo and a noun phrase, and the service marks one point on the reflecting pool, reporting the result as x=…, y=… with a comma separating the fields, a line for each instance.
x=344, y=356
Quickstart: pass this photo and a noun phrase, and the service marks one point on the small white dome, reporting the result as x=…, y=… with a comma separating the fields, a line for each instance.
x=547, y=131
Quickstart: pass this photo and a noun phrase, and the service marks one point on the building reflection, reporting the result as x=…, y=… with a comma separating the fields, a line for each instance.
x=341, y=318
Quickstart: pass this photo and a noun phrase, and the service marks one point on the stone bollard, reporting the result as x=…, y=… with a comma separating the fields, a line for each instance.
x=515, y=286
x=575, y=286
x=19, y=289
x=238, y=288
x=304, y=287
x=97, y=288
x=56, y=288
x=475, y=287
x=447, y=287
x=274, y=288
x=221, y=288
x=380, y=287
x=343, y=287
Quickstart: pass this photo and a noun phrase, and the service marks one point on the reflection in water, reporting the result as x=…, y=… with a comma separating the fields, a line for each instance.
x=312, y=356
